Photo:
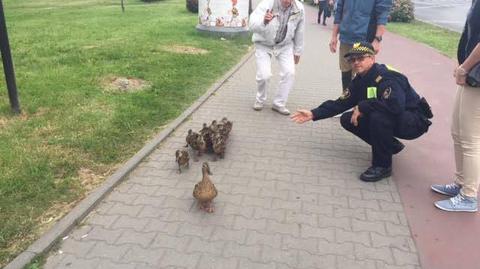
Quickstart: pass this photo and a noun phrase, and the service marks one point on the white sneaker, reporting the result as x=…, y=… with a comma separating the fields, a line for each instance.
x=258, y=106
x=281, y=109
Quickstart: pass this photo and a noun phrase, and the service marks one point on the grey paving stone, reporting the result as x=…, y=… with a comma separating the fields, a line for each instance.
x=400, y=242
x=216, y=262
x=404, y=257
x=342, y=236
x=368, y=226
x=380, y=253
x=137, y=254
x=247, y=264
x=223, y=234
x=132, y=237
x=270, y=214
x=233, y=249
x=306, y=244
x=252, y=224
x=106, y=264
x=257, y=238
x=322, y=233
x=340, y=249
x=106, y=251
x=199, y=245
x=349, y=263
x=178, y=259
x=74, y=247
x=100, y=234
x=308, y=260
x=127, y=222
x=71, y=261
x=123, y=209
x=271, y=254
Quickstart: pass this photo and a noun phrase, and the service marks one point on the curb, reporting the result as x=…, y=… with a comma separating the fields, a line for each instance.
x=80, y=211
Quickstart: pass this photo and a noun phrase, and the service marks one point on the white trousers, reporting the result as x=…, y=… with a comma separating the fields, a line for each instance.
x=466, y=139
x=284, y=56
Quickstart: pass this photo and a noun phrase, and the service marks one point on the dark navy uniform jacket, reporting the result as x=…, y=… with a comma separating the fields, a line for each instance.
x=381, y=89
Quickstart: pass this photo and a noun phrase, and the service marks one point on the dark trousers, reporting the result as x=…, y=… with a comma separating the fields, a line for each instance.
x=380, y=129
x=322, y=8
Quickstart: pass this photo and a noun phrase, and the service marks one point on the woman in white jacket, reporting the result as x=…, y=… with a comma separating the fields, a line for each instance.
x=278, y=27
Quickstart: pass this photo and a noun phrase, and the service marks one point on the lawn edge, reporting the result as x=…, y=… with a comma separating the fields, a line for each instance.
x=84, y=207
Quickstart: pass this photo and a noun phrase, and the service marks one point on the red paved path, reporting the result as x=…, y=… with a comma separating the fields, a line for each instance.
x=444, y=240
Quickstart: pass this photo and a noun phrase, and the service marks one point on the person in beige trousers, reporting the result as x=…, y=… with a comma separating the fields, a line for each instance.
x=465, y=124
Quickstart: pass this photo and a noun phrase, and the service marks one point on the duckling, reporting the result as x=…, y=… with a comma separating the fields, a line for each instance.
x=182, y=158
x=205, y=190
x=227, y=125
x=191, y=138
x=206, y=132
x=214, y=127
x=219, y=145
x=196, y=142
x=200, y=145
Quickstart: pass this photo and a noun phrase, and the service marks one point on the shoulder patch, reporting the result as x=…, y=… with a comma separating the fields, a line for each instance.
x=378, y=79
x=387, y=92
x=345, y=94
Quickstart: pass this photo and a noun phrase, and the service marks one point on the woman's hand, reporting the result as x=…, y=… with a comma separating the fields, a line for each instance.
x=460, y=75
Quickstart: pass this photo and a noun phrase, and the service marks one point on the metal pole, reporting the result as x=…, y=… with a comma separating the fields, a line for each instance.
x=8, y=64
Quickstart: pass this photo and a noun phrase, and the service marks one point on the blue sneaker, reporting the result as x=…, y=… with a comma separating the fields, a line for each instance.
x=452, y=189
x=458, y=203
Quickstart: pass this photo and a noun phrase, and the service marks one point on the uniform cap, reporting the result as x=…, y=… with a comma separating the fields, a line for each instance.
x=361, y=48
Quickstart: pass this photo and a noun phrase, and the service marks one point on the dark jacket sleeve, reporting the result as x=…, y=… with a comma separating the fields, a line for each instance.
x=382, y=10
x=339, y=12
x=331, y=108
x=392, y=99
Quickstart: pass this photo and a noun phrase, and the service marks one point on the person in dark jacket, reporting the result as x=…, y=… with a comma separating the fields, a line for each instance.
x=357, y=21
x=385, y=107
x=465, y=124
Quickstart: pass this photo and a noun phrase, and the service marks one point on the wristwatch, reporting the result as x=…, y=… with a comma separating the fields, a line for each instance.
x=378, y=38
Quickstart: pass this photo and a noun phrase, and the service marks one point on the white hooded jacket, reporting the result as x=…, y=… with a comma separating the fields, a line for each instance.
x=265, y=34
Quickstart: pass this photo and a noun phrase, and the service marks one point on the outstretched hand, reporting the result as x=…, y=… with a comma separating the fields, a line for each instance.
x=301, y=116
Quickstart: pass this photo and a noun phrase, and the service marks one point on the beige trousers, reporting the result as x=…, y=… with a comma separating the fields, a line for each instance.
x=466, y=139
x=344, y=65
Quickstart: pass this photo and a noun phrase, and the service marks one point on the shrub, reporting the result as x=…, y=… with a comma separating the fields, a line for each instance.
x=192, y=6
x=402, y=11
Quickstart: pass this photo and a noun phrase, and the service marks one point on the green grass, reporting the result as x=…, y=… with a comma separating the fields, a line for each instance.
x=62, y=51
x=445, y=41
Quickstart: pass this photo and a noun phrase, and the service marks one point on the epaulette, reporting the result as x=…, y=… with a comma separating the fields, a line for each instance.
x=392, y=69
x=378, y=79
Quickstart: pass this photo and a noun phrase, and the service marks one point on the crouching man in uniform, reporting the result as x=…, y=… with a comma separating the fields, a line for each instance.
x=384, y=105
x=278, y=27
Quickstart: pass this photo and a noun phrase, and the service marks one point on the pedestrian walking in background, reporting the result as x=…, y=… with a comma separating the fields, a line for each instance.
x=278, y=29
x=385, y=107
x=356, y=21
x=465, y=123
x=325, y=7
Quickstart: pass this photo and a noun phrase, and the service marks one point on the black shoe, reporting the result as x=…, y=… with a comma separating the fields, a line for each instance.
x=375, y=173
x=397, y=146
x=324, y=24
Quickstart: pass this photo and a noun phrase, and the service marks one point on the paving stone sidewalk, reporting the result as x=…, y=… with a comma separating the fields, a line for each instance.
x=289, y=195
